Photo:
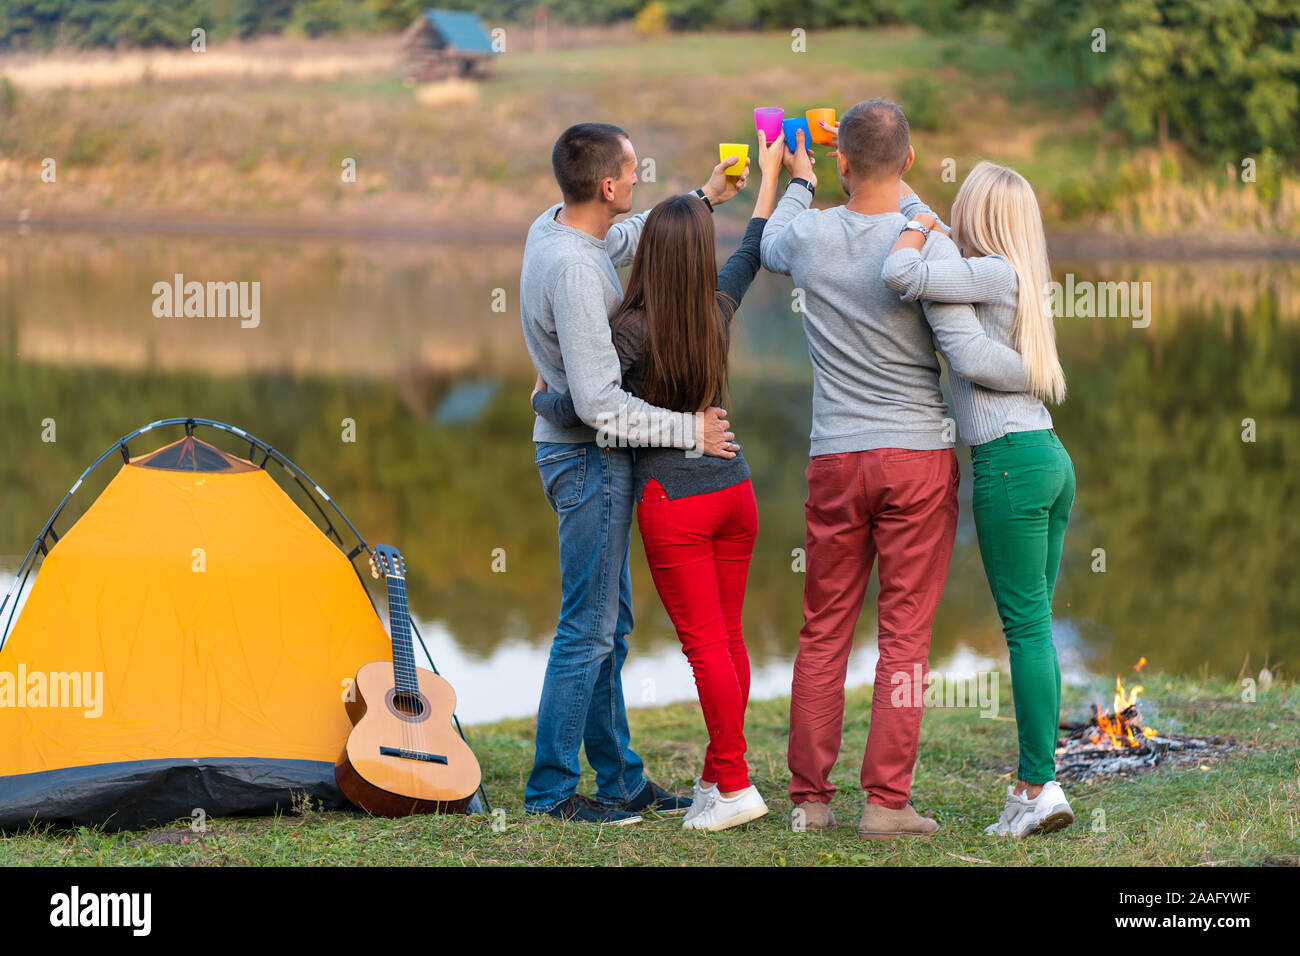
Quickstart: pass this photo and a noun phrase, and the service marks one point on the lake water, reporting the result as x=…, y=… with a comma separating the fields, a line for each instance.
x=1198, y=526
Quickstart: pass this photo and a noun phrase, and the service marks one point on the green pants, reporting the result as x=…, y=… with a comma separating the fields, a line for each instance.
x=1024, y=487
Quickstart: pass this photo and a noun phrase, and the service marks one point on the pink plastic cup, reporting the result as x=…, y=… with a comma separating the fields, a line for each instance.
x=768, y=120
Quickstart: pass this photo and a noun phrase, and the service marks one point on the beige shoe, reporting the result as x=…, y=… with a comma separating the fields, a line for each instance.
x=812, y=815
x=881, y=823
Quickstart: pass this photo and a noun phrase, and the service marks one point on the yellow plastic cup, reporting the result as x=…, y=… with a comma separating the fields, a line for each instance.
x=739, y=150
x=820, y=135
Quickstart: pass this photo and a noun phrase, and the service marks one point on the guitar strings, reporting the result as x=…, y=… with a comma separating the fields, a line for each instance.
x=412, y=731
x=394, y=579
x=395, y=611
x=414, y=734
x=394, y=616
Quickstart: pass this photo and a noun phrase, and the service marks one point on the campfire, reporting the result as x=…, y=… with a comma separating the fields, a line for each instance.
x=1117, y=741
x=1120, y=728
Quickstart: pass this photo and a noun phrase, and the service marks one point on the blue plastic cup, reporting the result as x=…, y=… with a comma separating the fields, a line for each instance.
x=790, y=127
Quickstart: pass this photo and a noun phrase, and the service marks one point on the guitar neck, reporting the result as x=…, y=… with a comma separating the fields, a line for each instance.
x=399, y=618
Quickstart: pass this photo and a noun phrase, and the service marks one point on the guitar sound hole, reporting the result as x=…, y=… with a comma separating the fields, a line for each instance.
x=408, y=705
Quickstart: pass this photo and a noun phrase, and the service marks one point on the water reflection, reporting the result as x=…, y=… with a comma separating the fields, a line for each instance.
x=420, y=347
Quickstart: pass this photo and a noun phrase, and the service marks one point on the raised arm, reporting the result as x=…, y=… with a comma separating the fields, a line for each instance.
x=622, y=239
x=778, y=236
x=740, y=268
x=962, y=341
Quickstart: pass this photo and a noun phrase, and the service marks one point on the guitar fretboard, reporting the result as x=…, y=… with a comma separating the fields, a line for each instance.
x=399, y=617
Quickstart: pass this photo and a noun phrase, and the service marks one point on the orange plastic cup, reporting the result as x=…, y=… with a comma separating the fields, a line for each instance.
x=815, y=117
x=739, y=150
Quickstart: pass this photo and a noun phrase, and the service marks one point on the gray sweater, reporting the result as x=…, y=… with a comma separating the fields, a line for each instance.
x=990, y=283
x=680, y=474
x=568, y=290
x=875, y=373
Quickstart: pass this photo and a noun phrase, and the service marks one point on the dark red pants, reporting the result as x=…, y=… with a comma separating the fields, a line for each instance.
x=899, y=506
x=698, y=549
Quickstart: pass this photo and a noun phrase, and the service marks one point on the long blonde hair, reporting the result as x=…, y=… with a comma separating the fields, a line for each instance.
x=995, y=213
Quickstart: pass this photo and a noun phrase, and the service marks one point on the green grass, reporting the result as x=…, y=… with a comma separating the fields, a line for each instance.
x=1243, y=809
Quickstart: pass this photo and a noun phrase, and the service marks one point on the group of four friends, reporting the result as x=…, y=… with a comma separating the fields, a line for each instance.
x=628, y=400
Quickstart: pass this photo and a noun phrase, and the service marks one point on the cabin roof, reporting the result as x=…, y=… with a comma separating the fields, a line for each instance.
x=464, y=31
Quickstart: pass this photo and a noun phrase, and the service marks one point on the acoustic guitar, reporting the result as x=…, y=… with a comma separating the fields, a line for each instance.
x=402, y=755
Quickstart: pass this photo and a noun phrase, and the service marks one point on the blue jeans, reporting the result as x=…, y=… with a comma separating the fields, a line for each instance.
x=590, y=490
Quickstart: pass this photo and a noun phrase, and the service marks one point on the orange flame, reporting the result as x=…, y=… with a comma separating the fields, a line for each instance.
x=1116, y=729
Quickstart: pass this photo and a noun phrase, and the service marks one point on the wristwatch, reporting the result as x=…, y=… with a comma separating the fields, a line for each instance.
x=915, y=226
x=803, y=182
x=700, y=192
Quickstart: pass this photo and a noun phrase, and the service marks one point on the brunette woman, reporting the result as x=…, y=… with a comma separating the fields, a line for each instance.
x=697, y=515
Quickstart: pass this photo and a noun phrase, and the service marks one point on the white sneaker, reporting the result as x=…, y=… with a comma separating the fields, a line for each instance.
x=1045, y=813
x=1009, y=812
x=722, y=813
x=699, y=798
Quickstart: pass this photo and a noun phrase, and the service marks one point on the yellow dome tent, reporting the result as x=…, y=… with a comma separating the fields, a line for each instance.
x=186, y=646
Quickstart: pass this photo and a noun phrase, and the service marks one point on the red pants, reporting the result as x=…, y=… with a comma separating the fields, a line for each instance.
x=901, y=506
x=698, y=549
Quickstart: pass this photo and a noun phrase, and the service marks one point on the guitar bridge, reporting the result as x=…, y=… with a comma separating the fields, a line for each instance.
x=411, y=754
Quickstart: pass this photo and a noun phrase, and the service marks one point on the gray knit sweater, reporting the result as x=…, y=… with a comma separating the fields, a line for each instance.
x=988, y=282
x=875, y=373
x=568, y=290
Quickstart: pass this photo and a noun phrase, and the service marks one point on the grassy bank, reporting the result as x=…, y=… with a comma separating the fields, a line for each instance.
x=262, y=129
x=1243, y=809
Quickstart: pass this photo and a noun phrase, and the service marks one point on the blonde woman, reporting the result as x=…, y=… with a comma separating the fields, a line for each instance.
x=1024, y=480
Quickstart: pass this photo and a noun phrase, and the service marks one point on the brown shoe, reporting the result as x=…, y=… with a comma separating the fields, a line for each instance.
x=881, y=823
x=812, y=815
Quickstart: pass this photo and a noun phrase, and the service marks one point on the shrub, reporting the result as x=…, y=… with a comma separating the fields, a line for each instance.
x=924, y=100
x=652, y=19
x=8, y=96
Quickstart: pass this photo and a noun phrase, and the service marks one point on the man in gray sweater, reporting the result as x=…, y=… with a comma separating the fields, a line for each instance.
x=568, y=290
x=882, y=476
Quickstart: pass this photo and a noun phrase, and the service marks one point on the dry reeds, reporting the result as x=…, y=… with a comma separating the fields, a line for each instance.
x=453, y=92
x=271, y=59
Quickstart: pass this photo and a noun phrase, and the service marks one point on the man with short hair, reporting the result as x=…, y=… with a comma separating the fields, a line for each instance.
x=568, y=290
x=882, y=475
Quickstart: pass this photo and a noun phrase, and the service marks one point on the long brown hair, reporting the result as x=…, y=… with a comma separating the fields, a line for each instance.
x=673, y=307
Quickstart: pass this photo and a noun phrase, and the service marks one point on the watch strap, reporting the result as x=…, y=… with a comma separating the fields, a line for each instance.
x=805, y=183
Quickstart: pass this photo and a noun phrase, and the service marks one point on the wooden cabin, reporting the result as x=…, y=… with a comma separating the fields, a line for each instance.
x=442, y=44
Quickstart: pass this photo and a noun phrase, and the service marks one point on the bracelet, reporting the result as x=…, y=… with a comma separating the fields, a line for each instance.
x=700, y=193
